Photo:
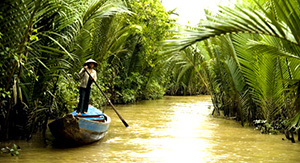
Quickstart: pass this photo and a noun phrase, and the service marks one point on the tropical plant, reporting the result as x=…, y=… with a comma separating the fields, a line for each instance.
x=263, y=68
x=45, y=43
x=184, y=67
x=130, y=73
x=40, y=45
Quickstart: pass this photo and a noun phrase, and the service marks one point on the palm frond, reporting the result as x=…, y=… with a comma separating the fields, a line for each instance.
x=243, y=19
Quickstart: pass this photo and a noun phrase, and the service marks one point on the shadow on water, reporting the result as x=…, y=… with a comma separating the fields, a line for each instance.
x=61, y=144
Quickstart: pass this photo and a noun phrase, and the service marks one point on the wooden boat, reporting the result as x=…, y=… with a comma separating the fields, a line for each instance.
x=83, y=129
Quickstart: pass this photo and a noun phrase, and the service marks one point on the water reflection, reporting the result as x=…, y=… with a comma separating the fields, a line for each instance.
x=172, y=129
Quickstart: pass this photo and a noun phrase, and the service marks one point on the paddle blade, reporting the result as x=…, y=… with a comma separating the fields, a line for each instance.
x=125, y=123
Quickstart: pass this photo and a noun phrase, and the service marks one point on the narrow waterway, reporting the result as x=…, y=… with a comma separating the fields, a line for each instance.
x=172, y=129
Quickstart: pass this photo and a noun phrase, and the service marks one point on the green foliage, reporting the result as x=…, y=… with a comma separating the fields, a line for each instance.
x=38, y=58
x=128, y=96
x=13, y=151
x=129, y=70
x=154, y=91
x=185, y=67
x=255, y=75
x=155, y=22
x=44, y=44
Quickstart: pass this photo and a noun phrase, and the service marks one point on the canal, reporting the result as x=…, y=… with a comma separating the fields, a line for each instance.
x=172, y=129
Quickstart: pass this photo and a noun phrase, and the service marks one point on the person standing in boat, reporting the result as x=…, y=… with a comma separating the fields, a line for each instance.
x=85, y=85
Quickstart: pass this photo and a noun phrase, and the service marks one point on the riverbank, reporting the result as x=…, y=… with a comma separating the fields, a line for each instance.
x=263, y=127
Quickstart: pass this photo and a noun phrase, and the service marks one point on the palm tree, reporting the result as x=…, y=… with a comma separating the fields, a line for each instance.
x=40, y=44
x=268, y=64
x=184, y=67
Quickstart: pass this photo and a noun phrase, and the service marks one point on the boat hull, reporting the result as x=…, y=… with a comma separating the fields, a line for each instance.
x=75, y=130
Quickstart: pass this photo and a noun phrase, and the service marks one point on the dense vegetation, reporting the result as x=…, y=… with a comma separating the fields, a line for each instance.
x=44, y=43
x=245, y=57
x=250, y=62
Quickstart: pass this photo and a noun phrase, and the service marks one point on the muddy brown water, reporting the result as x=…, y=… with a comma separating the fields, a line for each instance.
x=172, y=129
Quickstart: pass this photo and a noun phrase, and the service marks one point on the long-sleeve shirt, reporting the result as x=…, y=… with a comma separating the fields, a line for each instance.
x=84, y=77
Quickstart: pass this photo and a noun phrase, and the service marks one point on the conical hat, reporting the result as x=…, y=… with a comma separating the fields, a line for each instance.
x=91, y=61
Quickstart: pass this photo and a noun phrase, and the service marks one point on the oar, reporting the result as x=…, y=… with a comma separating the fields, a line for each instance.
x=108, y=100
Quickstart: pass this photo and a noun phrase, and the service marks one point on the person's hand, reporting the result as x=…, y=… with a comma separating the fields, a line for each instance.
x=85, y=66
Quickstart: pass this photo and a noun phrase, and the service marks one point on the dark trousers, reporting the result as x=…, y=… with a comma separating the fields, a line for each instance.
x=84, y=98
